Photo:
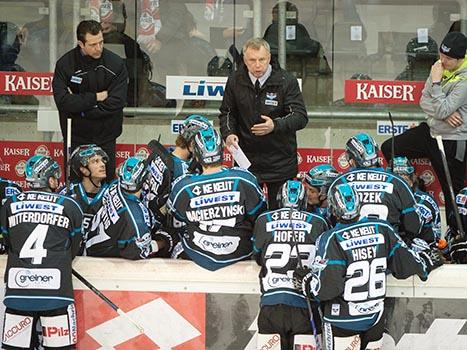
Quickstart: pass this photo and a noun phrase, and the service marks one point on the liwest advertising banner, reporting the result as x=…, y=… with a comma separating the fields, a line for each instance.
x=14, y=155
x=383, y=91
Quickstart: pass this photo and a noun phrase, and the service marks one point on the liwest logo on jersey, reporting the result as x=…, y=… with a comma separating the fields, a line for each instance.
x=360, y=242
x=48, y=207
x=215, y=198
x=373, y=186
x=217, y=245
x=33, y=278
x=287, y=225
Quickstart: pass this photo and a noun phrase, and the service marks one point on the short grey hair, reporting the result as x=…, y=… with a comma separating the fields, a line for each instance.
x=256, y=44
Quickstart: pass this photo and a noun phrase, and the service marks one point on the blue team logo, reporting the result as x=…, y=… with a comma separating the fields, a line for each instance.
x=271, y=99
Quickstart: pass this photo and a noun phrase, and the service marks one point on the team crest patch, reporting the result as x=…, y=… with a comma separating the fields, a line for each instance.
x=271, y=99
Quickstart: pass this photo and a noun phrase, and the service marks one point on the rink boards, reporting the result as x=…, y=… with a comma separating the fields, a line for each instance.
x=184, y=307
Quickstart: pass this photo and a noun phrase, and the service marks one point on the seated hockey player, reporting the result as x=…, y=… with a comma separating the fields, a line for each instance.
x=123, y=226
x=42, y=235
x=88, y=163
x=426, y=205
x=348, y=276
x=317, y=182
x=166, y=165
x=457, y=243
x=219, y=206
x=281, y=233
x=383, y=195
x=8, y=188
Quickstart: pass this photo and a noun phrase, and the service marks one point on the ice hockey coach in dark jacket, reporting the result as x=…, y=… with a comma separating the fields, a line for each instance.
x=261, y=111
x=90, y=86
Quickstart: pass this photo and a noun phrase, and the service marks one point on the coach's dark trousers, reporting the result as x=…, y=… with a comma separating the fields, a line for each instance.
x=418, y=143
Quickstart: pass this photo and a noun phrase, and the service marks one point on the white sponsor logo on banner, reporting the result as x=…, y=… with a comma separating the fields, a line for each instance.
x=197, y=87
x=174, y=331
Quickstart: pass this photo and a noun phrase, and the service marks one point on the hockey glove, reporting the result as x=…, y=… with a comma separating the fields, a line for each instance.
x=432, y=258
x=458, y=251
x=306, y=282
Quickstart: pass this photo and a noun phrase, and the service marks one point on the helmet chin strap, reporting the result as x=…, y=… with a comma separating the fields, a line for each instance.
x=90, y=178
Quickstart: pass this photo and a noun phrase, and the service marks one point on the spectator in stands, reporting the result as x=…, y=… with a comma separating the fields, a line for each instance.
x=444, y=100
x=11, y=39
x=90, y=87
x=420, y=58
x=142, y=91
x=261, y=112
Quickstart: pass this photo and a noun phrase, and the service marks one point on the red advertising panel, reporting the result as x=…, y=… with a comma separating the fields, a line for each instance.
x=382, y=91
x=170, y=321
x=26, y=83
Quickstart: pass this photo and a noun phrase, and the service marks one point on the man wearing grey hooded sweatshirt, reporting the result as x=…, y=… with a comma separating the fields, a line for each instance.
x=444, y=100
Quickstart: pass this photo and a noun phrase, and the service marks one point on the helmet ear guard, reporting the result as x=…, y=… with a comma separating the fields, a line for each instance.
x=132, y=174
x=292, y=194
x=39, y=169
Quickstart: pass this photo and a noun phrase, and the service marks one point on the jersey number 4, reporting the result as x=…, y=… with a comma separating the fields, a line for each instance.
x=34, y=245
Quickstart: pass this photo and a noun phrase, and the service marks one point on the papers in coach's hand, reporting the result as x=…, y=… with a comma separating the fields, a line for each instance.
x=239, y=157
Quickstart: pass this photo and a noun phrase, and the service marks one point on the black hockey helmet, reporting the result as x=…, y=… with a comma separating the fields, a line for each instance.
x=344, y=202
x=292, y=194
x=132, y=174
x=321, y=177
x=192, y=124
x=363, y=149
x=208, y=147
x=39, y=169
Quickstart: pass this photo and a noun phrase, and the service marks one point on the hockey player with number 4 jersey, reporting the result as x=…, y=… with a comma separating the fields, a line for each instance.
x=383, y=195
x=281, y=237
x=219, y=206
x=348, y=276
x=42, y=235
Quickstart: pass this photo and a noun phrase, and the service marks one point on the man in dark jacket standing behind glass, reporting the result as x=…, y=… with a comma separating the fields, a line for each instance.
x=261, y=111
x=90, y=87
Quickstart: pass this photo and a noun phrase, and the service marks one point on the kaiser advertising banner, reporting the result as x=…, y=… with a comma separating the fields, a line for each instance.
x=383, y=91
x=26, y=83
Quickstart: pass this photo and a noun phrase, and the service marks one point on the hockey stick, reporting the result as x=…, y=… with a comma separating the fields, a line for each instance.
x=392, y=141
x=439, y=141
x=68, y=155
x=106, y=300
x=308, y=303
